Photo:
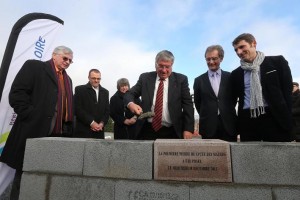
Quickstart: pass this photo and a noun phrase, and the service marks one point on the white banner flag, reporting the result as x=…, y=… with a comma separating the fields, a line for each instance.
x=32, y=37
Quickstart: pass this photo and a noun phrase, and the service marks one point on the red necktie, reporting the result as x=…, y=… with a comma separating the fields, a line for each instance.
x=156, y=122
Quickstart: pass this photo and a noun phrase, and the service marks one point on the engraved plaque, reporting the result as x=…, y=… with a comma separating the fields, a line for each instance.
x=192, y=160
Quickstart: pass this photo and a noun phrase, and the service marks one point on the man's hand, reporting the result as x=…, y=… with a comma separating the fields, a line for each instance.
x=134, y=108
x=97, y=127
x=189, y=135
x=130, y=121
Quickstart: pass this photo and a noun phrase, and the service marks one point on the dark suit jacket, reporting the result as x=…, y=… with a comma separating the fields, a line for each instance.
x=276, y=82
x=207, y=105
x=88, y=109
x=180, y=103
x=33, y=96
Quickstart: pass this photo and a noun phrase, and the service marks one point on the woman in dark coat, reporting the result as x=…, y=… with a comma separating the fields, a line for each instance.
x=296, y=111
x=124, y=120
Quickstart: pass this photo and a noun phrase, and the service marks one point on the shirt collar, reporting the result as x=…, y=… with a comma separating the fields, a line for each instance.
x=158, y=79
x=210, y=73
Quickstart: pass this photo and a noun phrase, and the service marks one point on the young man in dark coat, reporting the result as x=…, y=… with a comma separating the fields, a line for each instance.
x=91, y=107
x=41, y=95
x=263, y=87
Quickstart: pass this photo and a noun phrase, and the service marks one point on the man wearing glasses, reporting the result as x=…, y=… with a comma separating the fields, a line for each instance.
x=167, y=94
x=41, y=96
x=91, y=107
x=213, y=99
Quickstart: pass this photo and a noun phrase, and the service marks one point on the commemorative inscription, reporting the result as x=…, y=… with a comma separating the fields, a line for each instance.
x=192, y=160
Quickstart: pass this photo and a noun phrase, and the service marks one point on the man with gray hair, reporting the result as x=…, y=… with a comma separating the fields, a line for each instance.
x=212, y=99
x=263, y=87
x=167, y=94
x=41, y=95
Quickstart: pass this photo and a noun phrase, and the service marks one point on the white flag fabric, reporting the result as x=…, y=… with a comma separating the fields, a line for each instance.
x=32, y=37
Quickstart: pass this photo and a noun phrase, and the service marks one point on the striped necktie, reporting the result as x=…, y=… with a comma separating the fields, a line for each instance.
x=157, y=119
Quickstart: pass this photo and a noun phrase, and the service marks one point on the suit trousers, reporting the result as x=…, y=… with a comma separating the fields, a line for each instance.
x=262, y=128
x=221, y=133
x=148, y=133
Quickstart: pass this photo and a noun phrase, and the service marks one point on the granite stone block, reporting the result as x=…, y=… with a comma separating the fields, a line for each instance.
x=266, y=163
x=54, y=155
x=151, y=190
x=33, y=186
x=286, y=193
x=229, y=192
x=81, y=188
x=119, y=159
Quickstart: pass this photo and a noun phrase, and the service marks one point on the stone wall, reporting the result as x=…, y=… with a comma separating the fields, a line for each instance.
x=69, y=168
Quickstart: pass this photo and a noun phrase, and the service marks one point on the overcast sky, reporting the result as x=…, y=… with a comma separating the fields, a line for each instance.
x=122, y=37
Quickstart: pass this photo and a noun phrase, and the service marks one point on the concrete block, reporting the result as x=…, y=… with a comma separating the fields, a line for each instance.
x=266, y=163
x=151, y=190
x=286, y=193
x=81, y=188
x=54, y=155
x=119, y=159
x=33, y=186
x=229, y=192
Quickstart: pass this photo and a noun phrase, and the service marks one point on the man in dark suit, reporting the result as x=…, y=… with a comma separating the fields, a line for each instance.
x=91, y=107
x=263, y=87
x=174, y=116
x=212, y=99
x=41, y=95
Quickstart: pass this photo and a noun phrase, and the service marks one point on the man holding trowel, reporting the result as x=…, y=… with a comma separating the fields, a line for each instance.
x=167, y=95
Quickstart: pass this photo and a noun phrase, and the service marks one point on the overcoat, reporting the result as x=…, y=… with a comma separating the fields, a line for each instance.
x=88, y=108
x=33, y=96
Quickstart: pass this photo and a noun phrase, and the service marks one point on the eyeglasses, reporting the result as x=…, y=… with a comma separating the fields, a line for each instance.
x=94, y=78
x=164, y=66
x=213, y=59
x=67, y=59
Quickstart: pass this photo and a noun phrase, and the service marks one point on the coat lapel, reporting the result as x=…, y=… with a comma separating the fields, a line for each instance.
x=222, y=83
x=207, y=82
x=50, y=72
x=151, y=86
x=91, y=92
x=172, y=87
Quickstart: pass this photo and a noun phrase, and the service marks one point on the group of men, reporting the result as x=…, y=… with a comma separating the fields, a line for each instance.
x=41, y=95
x=262, y=86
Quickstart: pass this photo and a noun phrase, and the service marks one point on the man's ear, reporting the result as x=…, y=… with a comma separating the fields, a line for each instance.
x=254, y=43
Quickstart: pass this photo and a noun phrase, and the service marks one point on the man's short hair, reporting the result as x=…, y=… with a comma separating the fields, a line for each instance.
x=215, y=47
x=95, y=71
x=249, y=38
x=164, y=55
x=62, y=49
x=295, y=83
